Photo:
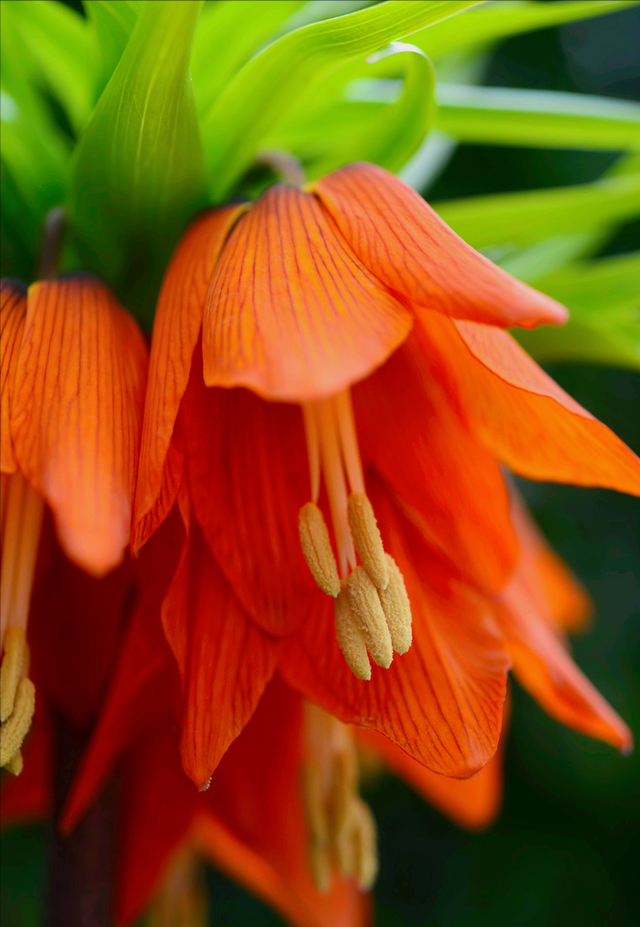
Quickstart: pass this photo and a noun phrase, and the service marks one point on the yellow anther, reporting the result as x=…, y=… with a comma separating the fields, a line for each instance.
x=369, y=616
x=365, y=840
x=15, y=764
x=320, y=866
x=397, y=608
x=367, y=540
x=344, y=787
x=13, y=660
x=316, y=547
x=181, y=899
x=14, y=729
x=318, y=823
x=350, y=639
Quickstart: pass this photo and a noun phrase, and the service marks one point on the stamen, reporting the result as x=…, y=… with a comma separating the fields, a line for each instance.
x=366, y=537
x=341, y=827
x=350, y=451
x=369, y=616
x=351, y=641
x=313, y=448
x=14, y=730
x=336, y=485
x=181, y=900
x=15, y=764
x=397, y=608
x=23, y=520
x=316, y=547
x=12, y=669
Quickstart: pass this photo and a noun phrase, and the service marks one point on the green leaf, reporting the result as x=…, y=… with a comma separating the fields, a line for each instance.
x=228, y=34
x=113, y=22
x=598, y=288
x=387, y=134
x=139, y=172
x=541, y=119
x=524, y=218
x=61, y=53
x=263, y=93
x=495, y=21
x=584, y=342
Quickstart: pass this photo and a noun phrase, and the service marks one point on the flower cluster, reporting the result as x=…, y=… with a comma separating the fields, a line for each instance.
x=310, y=475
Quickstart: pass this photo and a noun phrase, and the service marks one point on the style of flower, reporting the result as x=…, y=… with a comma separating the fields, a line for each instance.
x=74, y=369
x=279, y=327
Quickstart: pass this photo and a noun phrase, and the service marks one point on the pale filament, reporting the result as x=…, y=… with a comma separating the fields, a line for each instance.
x=333, y=453
x=22, y=510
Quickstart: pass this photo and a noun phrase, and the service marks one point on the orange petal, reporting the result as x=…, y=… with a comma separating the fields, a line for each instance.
x=291, y=312
x=248, y=478
x=77, y=413
x=176, y=328
x=472, y=803
x=13, y=308
x=254, y=827
x=442, y=701
x=521, y=415
x=542, y=664
x=418, y=443
x=229, y=662
x=400, y=239
x=552, y=589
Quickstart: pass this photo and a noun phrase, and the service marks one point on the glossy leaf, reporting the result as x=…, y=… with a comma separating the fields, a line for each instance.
x=523, y=218
x=266, y=89
x=138, y=175
x=541, y=119
x=494, y=21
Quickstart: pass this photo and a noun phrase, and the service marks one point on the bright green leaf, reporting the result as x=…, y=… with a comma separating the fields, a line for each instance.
x=495, y=21
x=267, y=88
x=228, y=34
x=543, y=119
x=139, y=173
x=113, y=22
x=524, y=218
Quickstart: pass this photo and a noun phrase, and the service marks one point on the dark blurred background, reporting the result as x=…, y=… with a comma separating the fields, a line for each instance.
x=565, y=849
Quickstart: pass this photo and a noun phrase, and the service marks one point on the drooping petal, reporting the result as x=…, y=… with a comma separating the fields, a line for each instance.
x=255, y=829
x=77, y=413
x=472, y=803
x=176, y=328
x=450, y=487
x=156, y=813
x=248, y=478
x=400, y=239
x=442, y=701
x=543, y=665
x=520, y=414
x=292, y=313
x=228, y=660
x=13, y=308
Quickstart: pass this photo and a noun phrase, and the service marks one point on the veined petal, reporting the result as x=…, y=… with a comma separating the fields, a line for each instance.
x=77, y=412
x=248, y=478
x=292, y=313
x=229, y=661
x=400, y=239
x=542, y=664
x=255, y=828
x=449, y=486
x=472, y=803
x=13, y=308
x=176, y=329
x=442, y=701
x=521, y=415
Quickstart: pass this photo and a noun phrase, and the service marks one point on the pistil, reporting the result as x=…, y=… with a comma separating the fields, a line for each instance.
x=21, y=521
x=342, y=833
x=372, y=611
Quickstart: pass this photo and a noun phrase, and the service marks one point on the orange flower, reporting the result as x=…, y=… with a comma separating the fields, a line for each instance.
x=73, y=378
x=300, y=298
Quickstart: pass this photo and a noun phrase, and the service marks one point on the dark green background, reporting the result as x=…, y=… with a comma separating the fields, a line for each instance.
x=565, y=849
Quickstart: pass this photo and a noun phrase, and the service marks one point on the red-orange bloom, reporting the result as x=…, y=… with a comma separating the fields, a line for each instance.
x=74, y=368
x=353, y=301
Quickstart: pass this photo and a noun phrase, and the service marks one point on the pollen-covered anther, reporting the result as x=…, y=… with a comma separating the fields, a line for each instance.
x=13, y=668
x=316, y=547
x=369, y=617
x=319, y=848
x=366, y=538
x=350, y=639
x=14, y=729
x=365, y=845
x=397, y=608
